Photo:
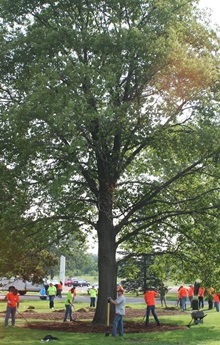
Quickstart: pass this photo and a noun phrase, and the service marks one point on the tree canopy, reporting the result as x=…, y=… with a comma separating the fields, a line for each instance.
x=110, y=121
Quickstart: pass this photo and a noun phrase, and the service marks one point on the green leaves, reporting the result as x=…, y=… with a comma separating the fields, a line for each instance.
x=110, y=121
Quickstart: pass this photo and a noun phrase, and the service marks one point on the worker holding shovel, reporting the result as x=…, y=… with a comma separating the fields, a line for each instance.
x=119, y=313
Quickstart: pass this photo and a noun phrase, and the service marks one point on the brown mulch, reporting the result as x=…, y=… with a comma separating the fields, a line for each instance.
x=53, y=321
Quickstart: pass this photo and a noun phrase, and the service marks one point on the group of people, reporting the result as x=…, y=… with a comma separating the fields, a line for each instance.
x=212, y=297
x=188, y=292
x=150, y=296
x=71, y=294
x=13, y=299
x=51, y=292
x=119, y=302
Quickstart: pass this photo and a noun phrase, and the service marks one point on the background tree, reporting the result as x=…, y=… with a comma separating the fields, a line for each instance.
x=78, y=260
x=197, y=258
x=137, y=275
x=23, y=252
x=109, y=106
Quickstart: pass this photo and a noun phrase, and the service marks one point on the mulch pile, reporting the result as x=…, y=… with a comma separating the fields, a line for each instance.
x=53, y=321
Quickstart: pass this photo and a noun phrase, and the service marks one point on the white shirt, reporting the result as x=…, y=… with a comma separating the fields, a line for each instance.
x=120, y=306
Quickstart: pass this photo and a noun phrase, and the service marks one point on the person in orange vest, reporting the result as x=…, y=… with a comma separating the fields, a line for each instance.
x=201, y=294
x=216, y=300
x=210, y=293
x=183, y=293
x=12, y=299
x=178, y=301
x=149, y=298
x=59, y=289
x=191, y=294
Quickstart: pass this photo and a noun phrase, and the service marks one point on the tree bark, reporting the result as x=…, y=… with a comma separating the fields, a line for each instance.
x=106, y=260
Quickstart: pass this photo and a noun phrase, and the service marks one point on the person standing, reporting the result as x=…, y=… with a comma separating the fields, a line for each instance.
x=210, y=293
x=12, y=299
x=51, y=291
x=183, y=293
x=59, y=289
x=119, y=313
x=149, y=298
x=201, y=294
x=191, y=294
x=92, y=293
x=216, y=299
x=162, y=292
x=178, y=301
x=68, y=305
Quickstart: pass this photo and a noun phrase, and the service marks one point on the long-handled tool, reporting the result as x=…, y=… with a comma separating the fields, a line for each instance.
x=74, y=318
x=108, y=319
x=23, y=317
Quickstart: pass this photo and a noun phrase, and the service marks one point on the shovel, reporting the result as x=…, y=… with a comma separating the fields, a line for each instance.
x=108, y=318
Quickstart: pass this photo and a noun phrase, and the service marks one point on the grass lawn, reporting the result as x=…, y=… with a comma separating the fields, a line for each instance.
x=204, y=334
x=207, y=333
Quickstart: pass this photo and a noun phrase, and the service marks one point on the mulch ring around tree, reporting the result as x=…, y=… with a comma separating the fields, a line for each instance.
x=53, y=321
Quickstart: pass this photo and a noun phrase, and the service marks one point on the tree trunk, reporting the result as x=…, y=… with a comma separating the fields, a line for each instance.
x=106, y=262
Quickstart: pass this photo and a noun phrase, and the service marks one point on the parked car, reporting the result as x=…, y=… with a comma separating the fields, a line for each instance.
x=71, y=281
x=83, y=283
x=68, y=282
x=23, y=286
x=75, y=283
x=53, y=281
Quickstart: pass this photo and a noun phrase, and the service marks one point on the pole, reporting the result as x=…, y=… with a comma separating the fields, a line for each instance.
x=62, y=268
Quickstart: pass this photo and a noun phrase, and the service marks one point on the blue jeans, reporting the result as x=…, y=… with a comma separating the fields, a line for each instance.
x=92, y=301
x=51, y=301
x=118, y=325
x=183, y=299
x=201, y=302
x=190, y=300
x=217, y=306
x=151, y=308
x=68, y=312
x=10, y=311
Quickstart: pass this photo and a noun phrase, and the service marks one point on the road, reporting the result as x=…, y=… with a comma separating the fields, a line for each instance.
x=83, y=297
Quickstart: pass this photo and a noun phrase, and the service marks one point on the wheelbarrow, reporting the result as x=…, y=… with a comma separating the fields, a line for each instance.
x=197, y=317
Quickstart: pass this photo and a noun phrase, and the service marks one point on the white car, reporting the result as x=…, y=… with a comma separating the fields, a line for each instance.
x=22, y=286
x=53, y=281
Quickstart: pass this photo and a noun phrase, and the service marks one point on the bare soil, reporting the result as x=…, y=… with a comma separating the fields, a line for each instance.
x=53, y=321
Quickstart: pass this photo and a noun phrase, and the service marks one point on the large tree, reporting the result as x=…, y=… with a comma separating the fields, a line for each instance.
x=109, y=109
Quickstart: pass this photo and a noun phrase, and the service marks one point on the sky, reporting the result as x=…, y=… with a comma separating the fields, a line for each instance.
x=214, y=5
